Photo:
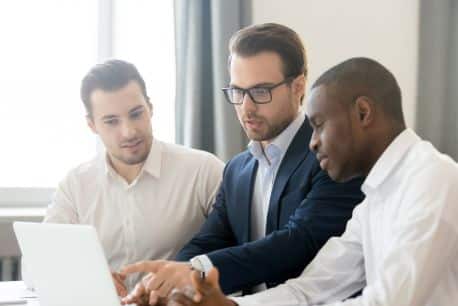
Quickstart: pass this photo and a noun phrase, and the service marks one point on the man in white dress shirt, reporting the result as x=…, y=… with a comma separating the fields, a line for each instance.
x=146, y=198
x=401, y=245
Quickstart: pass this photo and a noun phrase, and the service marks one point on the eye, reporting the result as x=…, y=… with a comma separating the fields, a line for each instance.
x=237, y=94
x=136, y=114
x=259, y=91
x=317, y=125
x=112, y=121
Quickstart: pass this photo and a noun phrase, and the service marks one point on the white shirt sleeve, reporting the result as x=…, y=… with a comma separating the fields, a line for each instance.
x=423, y=250
x=210, y=176
x=336, y=272
x=62, y=208
x=423, y=247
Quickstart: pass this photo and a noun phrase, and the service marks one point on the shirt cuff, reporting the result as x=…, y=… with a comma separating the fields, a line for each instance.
x=202, y=263
x=240, y=301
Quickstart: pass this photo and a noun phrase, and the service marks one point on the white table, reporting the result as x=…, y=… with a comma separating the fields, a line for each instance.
x=17, y=290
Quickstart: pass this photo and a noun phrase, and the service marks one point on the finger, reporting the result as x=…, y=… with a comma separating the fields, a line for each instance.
x=147, y=279
x=136, y=294
x=165, y=289
x=179, y=299
x=212, y=278
x=139, y=290
x=121, y=290
x=143, y=266
x=119, y=284
x=153, y=298
x=161, y=302
x=132, y=300
x=156, y=281
x=205, y=286
x=117, y=277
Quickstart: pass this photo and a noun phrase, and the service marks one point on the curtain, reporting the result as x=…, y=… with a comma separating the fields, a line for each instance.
x=204, y=120
x=437, y=111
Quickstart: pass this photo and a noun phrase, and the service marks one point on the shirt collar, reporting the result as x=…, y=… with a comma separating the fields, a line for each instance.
x=389, y=159
x=152, y=163
x=154, y=160
x=280, y=144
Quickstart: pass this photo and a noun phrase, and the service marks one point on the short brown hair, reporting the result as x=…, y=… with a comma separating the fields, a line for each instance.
x=109, y=76
x=272, y=37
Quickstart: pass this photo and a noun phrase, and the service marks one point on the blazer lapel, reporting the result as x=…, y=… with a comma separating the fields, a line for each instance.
x=245, y=197
x=296, y=152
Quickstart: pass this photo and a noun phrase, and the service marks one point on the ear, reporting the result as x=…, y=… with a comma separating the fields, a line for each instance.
x=299, y=86
x=90, y=123
x=365, y=108
x=150, y=106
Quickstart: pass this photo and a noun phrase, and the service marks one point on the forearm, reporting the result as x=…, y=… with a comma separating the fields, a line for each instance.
x=263, y=261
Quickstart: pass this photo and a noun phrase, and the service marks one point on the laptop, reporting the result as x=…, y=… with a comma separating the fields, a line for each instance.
x=67, y=264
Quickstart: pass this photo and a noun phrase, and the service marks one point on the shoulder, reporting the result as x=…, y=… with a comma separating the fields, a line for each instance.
x=430, y=181
x=239, y=161
x=424, y=163
x=181, y=156
x=84, y=178
x=86, y=171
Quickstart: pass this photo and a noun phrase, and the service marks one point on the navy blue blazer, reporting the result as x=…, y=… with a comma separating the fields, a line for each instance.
x=306, y=208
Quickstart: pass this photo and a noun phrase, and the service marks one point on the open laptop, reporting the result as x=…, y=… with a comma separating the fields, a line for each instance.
x=67, y=264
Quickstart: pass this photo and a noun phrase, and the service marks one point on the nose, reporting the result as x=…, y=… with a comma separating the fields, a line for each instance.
x=247, y=104
x=127, y=129
x=314, y=142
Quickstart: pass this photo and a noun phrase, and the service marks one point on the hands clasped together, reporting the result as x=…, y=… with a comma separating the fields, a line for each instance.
x=170, y=283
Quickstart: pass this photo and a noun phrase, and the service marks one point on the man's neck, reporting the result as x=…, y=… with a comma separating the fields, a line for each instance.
x=265, y=143
x=127, y=172
x=384, y=139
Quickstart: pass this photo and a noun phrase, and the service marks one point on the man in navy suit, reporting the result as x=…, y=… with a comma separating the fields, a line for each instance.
x=276, y=207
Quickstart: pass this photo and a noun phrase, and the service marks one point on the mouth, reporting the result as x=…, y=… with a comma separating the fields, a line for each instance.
x=132, y=144
x=252, y=123
x=323, y=160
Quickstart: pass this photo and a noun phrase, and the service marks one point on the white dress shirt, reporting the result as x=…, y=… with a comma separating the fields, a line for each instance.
x=269, y=160
x=401, y=244
x=151, y=218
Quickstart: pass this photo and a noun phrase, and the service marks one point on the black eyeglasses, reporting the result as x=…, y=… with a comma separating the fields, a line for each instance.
x=258, y=94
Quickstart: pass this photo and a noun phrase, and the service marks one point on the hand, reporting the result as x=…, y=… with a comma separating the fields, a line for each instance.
x=163, y=278
x=138, y=295
x=207, y=292
x=118, y=280
x=141, y=297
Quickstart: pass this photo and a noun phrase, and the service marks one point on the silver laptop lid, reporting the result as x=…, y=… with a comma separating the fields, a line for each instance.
x=66, y=264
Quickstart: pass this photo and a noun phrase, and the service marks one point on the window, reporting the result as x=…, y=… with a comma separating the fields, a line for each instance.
x=47, y=47
x=144, y=35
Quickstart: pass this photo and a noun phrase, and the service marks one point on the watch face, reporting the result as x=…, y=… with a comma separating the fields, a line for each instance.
x=197, y=265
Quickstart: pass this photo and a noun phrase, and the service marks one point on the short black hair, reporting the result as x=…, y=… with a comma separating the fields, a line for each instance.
x=361, y=76
x=111, y=75
x=275, y=38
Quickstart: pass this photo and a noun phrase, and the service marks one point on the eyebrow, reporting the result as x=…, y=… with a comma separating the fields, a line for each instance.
x=133, y=110
x=136, y=108
x=253, y=86
x=108, y=117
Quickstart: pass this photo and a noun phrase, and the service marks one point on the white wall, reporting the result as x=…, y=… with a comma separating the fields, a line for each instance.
x=335, y=30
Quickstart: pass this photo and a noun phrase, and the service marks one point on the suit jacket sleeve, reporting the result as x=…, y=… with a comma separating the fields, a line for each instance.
x=284, y=253
x=216, y=233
